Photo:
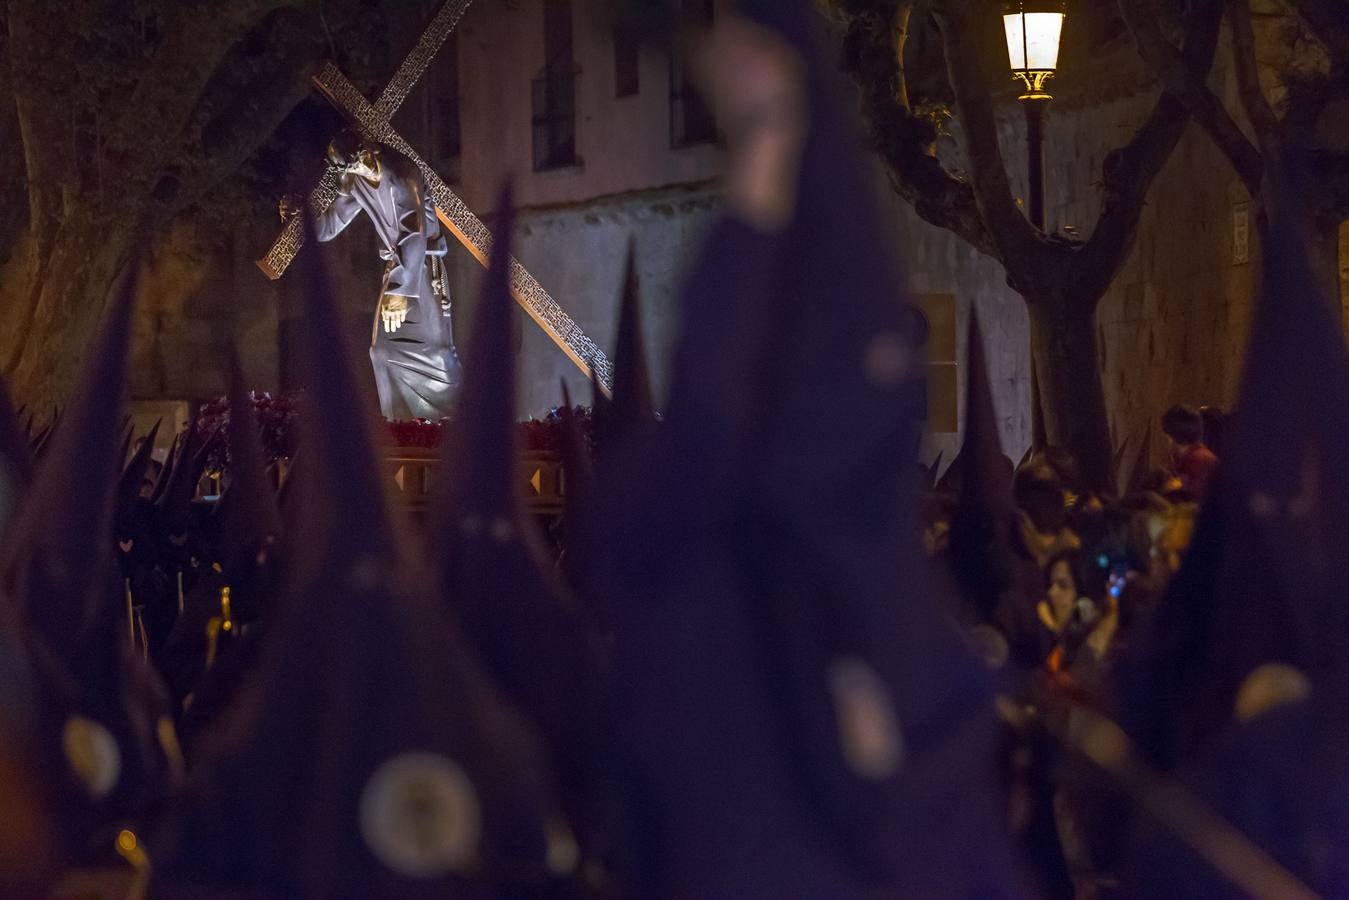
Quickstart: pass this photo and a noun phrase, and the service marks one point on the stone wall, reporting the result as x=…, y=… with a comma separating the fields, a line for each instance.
x=201, y=293
x=578, y=254
x=1172, y=328
x=623, y=144
x=934, y=261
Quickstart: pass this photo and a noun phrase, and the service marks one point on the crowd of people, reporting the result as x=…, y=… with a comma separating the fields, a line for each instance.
x=745, y=669
x=1080, y=547
x=1058, y=589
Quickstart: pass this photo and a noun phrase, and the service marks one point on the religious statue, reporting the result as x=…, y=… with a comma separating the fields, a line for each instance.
x=417, y=372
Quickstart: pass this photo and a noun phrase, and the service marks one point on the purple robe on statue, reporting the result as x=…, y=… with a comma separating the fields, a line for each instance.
x=417, y=371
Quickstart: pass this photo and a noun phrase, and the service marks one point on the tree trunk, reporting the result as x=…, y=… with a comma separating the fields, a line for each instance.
x=1320, y=238
x=1067, y=368
x=56, y=288
x=1323, y=254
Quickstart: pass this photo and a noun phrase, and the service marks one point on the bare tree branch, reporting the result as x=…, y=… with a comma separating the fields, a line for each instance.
x=171, y=85
x=902, y=17
x=13, y=191
x=1329, y=21
x=1128, y=173
x=34, y=59
x=1190, y=89
x=245, y=103
x=1253, y=99
x=905, y=142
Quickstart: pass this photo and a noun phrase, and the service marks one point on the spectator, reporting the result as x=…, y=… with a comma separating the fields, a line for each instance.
x=1194, y=462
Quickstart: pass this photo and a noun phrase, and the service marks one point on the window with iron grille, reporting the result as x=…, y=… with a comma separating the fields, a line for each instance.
x=553, y=91
x=691, y=121
x=627, y=62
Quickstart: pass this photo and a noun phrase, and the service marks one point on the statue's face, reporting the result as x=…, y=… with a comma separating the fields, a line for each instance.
x=365, y=165
x=364, y=162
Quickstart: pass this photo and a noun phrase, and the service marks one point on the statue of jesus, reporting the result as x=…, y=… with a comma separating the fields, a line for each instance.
x=417, y=372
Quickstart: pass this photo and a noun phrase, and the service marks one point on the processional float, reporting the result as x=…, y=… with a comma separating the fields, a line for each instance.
x=375, y=123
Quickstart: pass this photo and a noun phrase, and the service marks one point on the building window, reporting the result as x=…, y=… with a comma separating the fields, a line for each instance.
x=691, y=121
x=554, y=91
x=940, y=375
x=627, y=62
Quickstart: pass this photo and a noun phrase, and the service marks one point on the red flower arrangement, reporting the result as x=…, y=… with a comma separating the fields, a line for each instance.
x=277, y=415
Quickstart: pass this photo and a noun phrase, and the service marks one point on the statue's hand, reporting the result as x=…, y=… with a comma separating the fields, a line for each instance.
x=393, y=311
x=289, y=207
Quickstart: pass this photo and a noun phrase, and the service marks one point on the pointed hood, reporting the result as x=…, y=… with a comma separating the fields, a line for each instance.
x=496, y=575
x=57, y=571
x=285, y=498
x=1025, y=457
x=771, y=596
x=175, y=503
x=632, y=409
x=249, y=524
x=482, y=451
x=129, y=484
x=839, y=425
x=1039, y=438
x=166, y=473
x=575, y=452
x=932, y=472
x=16, y=459
x=987, y=480
x=579, y=488
x=1264, y=581
x=601, y=408
x=981, y=553
x=60, y=545
x=369, y=755
x=128, y=432
x=337, y=432
x=252, y=520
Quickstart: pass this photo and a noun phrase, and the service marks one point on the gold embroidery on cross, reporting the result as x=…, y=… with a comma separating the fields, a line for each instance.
x=373, y=121
x=291, y=238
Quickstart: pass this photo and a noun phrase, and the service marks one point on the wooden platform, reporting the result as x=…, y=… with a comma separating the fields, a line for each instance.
x=414, y=470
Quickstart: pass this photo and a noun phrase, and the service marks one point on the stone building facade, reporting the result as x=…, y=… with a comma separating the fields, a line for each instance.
x=603, y=149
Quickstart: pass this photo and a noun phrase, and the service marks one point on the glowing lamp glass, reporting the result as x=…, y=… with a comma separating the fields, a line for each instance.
x=1033, y=40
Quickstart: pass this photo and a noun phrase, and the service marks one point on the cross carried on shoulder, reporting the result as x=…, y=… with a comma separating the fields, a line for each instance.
x=374, y=121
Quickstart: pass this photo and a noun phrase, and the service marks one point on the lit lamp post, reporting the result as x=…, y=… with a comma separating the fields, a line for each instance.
x=1033, y=29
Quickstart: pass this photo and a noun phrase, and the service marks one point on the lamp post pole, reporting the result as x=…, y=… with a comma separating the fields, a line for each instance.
x=1033, y=29
x=1035, y=159
x=1035, y=207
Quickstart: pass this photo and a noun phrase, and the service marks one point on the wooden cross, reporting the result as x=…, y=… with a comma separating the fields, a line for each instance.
x=374, y=122
x=291, y=238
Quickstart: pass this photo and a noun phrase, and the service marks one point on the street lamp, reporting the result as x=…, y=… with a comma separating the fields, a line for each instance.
x=1033, y=29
